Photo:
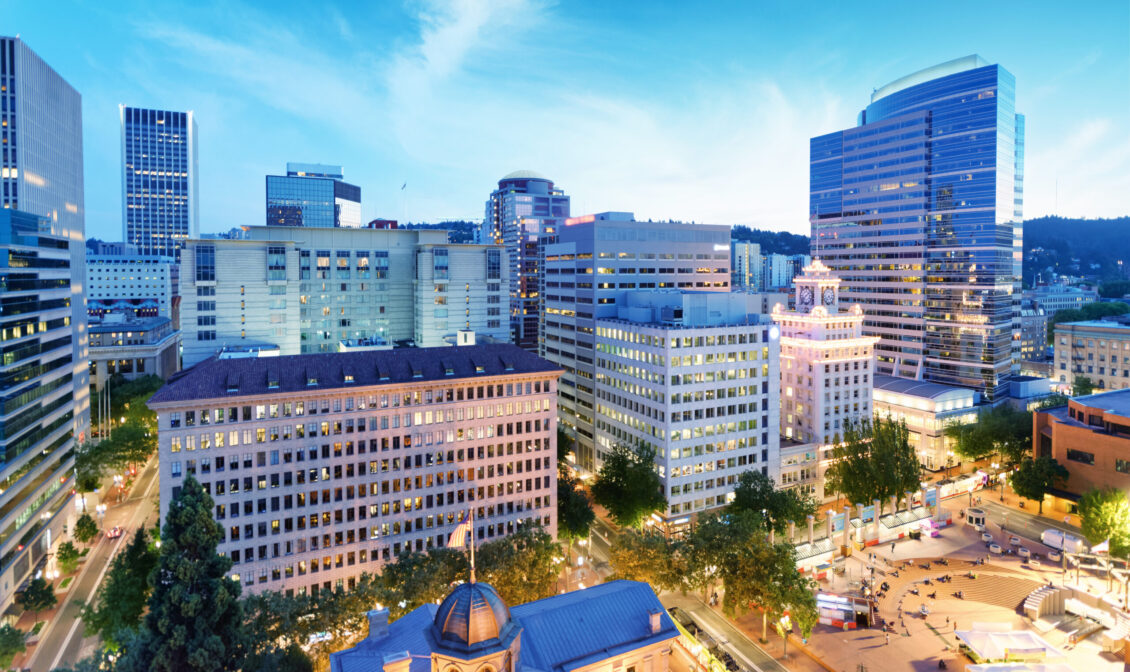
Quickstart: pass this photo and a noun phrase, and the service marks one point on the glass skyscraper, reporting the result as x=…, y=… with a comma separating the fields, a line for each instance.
x=160, y=184
x=312, y=194
x=44, y=376
x=918, y=210
x=525, y=207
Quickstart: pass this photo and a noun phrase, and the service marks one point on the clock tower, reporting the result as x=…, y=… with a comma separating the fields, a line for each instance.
x=817, y=287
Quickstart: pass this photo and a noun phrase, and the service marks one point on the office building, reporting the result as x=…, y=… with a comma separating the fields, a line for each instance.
x=525, y=207
x=745, y=265
x=778, y=270
x=1056, y=297
x=617, y=625
x=324, y=466
x=1097, y=349
x=160, y=180
x=147, y=286
x=764, y=302
x=315, y=195
x=1091, y=437
x=694, y=376
x=590, y=262
x=131, y=346
x=926, y=408
x=1033, y=332
x=43, y=321
x=918, y=209
x=310, y=290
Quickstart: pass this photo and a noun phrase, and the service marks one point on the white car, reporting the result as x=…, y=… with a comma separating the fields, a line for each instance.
x=995, y=548
x=1023, y=552
x=1014, y=541
x=986, y=537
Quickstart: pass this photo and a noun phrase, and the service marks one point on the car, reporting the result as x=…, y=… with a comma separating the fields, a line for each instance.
x=114, y=532
x=986, y=537
x=1014, y=541
x=1055, y=556
x=1023, y=552
x=995, y=548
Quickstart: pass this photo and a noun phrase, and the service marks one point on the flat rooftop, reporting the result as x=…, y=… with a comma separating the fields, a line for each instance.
x=1115, y=401
x=914, y=388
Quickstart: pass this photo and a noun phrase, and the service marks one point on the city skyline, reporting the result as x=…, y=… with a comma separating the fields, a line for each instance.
x=448, y=100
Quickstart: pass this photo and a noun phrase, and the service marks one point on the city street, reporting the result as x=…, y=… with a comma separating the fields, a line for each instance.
x=1027, y=525
x=63, y=643
x=730, y=638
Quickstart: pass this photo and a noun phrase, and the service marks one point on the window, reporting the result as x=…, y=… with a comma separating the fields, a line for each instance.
x=1081, y=456
x=494, y=264
x=276, y=263
x=440, y=263
x=205, y=263
x=1122, y=466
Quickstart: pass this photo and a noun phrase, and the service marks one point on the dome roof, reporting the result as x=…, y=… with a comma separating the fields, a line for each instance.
x=473, y=616
x=526, y=175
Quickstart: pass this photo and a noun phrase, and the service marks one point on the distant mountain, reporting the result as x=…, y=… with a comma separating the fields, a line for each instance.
x=772, y=242
x=1073, y=246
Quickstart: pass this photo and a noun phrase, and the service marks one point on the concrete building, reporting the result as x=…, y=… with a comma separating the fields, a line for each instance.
x=926, y=408
x=1091, y=437
x=1033, y=332
x=160, y=180
x=745, y=265
x=525, y=207
x=133, y=347
x=45, y=381
x=147, y=286
x=313, y=194
x=312, y=289
x=694, y=376
x=764, y=302
x=616, y=625
x=930, y=250
x=1096, y=349
x=778, y=270
x=324, y=466
x=590, y=262
x=1056, y=297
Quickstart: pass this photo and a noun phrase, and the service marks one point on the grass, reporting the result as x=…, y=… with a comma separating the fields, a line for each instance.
x=65, y=582
x=37, y=627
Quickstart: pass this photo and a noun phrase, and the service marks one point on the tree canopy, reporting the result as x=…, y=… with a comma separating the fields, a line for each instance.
x=628, y=486
x=1002, y=430
x=1106, y=515
x=756, y=492
x=1081, y=386
x=1034, y=478
x=115, y=612
x=11, y=644
x=574, y=508
x=85, y=528
x=38, y=596
x=874, y=460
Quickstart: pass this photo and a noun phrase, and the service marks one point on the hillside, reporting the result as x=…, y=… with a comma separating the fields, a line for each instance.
x=1076, y=246
x=772, y=242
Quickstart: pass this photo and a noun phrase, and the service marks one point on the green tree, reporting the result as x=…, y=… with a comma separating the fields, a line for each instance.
x=1052, y=401
x=115, y=612
x=1114, y=289
x=522, y=566
x=874, y=461
x=1002, y=430
x=85, y=529
x=1091, y=311
x=756, y=492
x=421, y=578
x=1106, y=515
x=565, y=445
x=647, y=556
x=1082, y=386
x=289, y=659
x=628, y=486
x=11, y=644
x=195, y=618
x=1034, y=478
x=38, y=596
x=574, y=508
x=67, y=556
x=89, y=466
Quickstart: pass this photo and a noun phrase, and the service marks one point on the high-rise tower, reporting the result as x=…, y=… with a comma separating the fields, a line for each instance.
x=525, y=207
x=313, y=194
x=159, y=180
x=918, y=210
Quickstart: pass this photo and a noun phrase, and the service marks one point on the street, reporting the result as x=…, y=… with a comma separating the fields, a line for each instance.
x=63, y=643
x=1027, y=525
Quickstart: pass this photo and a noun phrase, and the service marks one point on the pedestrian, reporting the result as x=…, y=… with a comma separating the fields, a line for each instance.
x=888, y=636
x=892, y=549
x=947, y=621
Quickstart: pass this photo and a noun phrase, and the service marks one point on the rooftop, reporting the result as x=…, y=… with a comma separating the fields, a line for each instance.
x=216, y=378
x=1115, y=401
x=915, y=388
x=927, y=74
x=1094, y=324
x=525, y=175
x=108, y=326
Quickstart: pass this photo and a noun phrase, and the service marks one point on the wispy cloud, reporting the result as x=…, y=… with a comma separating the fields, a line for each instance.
x=1085, y=172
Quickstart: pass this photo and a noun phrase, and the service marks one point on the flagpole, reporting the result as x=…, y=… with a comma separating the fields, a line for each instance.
x=472, y=545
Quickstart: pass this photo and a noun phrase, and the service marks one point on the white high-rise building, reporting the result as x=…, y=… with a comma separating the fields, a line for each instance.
x=827, y=374
x=590, y=262
x=694, y=375
x=147, y=286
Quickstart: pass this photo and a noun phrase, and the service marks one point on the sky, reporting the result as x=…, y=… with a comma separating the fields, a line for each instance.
x=671, y=110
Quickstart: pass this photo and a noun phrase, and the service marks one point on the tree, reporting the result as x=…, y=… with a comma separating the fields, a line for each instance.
x=1002, y=430
x=11, y=644
x=756, y=492
x=1034, y=478
x=565, y=445
x=85, y=529
x=421, y=578
x=522, y=566
x=628, y=485
x=1106, y=515
x=874, y=461
x=195, y=618
x=67, y=556
x=289, y=659
x=115, y=613
x=1114, y=289
x=574, y=508
x=89, y=466
x=646, y=556
x=38, y=596
x=1052, y=401
x=1082, y=386
x=1091, y=311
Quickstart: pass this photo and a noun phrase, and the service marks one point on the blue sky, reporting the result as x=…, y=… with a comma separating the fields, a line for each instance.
x=694, y=111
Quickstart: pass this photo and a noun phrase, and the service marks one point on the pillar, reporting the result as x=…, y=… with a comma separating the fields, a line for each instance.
x=847, y=525
x=875, y=523
x=811, y=529
x=792, y=531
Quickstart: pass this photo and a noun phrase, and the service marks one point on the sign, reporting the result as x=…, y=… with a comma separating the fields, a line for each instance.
x=838, y=523
x=932, y=497
x=868, y=513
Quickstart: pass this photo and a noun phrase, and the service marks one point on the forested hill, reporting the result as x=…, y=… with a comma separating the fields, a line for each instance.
x=778, y=242
x=1076, y=247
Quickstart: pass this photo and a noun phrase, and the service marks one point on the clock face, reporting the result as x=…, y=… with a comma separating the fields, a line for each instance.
x=806, y=296
x=829, y=296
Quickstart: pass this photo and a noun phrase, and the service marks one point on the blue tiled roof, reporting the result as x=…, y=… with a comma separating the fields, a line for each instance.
x=217, y=378
x=411, y=632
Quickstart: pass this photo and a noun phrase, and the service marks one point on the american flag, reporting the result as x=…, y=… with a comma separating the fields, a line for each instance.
x=459, y=535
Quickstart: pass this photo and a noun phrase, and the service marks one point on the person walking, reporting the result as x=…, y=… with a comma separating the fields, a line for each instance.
x=888, y=636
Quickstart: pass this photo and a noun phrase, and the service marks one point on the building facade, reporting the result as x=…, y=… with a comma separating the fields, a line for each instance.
x=131, y=346
x=147, y=286
x=313, y=194
x=778, y=270
x=41, y=174
x=1033, y=332
x=1096, y=349
x=312, y=289
x=590, y=262
x=918, y=209
x=324, y=466
x=1056, y=297
x=745, y=265
x=927, y=409
x=1091, y=437
x=524, y=207
x=160, y=180
x=693, y=376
